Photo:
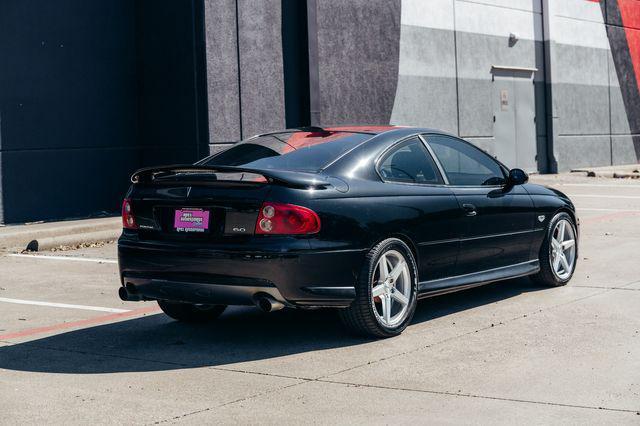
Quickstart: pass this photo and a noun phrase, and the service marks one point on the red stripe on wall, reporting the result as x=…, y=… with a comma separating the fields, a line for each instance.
x=630, y=13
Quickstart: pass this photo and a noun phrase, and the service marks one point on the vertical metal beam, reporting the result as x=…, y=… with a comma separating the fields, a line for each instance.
x=295, y=62
x=239, y=70
x=551, y=163
x=455, y=61
x=201, y=117
x=314, y=71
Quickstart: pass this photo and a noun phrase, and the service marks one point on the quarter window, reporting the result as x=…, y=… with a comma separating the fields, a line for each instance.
x=465, y=164
x=409, y=162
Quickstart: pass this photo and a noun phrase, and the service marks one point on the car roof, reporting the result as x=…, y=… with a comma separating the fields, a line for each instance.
x=366, y=129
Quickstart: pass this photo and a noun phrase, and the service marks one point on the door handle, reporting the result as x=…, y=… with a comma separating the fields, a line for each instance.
x=469, y=209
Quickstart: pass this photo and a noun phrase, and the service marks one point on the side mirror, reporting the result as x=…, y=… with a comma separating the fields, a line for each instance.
x=518, y=177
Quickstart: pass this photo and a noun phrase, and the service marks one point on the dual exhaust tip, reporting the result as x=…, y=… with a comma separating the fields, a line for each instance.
x=264, y=302
x=268, y=304
x=129, y=296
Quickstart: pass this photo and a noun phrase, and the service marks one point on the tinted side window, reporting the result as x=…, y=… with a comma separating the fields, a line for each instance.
x=409, y=162
x=465, y=164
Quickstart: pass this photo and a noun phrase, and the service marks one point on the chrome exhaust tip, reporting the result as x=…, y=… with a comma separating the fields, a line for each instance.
x=123, y=293
x=127, y=296
x=268, y=304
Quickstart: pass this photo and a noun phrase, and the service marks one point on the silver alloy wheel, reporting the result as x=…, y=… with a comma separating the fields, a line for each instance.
x=563, y=249
x=391, y=289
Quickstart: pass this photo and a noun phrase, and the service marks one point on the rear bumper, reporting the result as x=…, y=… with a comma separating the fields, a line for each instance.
x=287, y=271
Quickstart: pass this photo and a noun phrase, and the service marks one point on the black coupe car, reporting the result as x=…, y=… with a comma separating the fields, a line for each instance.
x=363, y=219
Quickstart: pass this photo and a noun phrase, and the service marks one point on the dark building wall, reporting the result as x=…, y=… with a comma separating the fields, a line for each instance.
x=170, y=74
x=67, y=105
x=245, y=71
x=90, y=91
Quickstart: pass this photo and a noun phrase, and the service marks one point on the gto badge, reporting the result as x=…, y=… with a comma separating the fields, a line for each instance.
x=541, y=218
x=239, y=230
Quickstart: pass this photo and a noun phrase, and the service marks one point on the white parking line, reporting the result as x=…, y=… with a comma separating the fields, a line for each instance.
x=76, y=259
x=626, y=197
x=598, y=185
x=608, y=210
x=62, y=305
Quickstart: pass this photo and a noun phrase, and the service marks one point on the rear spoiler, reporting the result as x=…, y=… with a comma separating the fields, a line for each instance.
x=280, y=177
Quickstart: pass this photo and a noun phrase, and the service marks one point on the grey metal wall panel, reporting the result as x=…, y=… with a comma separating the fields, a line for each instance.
x=477, y=53
x=475, y=101
x=581, y=65
x=358, y=45
x=427, y=52
x=261, y=68
x=426, y=94
x=580, y=91
x=595, y=95
x=218, y=147
x=623, y=141
x=487, y=144
x=576, y=151
x=477, y=33
x=222, y=70
x=618, y=113
x=581, y=109
x=427, y=102
x=524, y=5
x=623, y=149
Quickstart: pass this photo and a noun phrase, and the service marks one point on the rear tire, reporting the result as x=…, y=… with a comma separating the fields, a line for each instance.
x=367, y=314
x=550, y=275
x=187, y=312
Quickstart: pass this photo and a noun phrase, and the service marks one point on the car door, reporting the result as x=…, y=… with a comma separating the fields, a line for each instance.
x=498, y=219
x=425, y=208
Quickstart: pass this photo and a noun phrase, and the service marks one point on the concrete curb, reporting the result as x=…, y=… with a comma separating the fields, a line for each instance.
x=44, y=236
x=629, y=171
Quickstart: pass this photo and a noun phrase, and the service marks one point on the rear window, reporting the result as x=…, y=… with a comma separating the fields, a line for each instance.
x=296, y=151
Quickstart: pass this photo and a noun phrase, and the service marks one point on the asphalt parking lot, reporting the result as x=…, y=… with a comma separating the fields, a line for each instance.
x=72, y=352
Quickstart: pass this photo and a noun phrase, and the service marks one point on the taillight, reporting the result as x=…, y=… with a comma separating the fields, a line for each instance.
x=286, y=219
x=128, y=219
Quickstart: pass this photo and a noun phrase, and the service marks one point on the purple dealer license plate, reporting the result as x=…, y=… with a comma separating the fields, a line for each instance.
x=191, y=220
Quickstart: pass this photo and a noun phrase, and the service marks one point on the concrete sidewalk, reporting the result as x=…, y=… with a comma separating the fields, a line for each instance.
x=628, y=171
x=43, y=236
x=508, y=353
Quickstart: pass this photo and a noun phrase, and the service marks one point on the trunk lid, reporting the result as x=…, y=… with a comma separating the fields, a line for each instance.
x=205, y=203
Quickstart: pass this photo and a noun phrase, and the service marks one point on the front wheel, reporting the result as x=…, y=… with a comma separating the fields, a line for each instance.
x=187, y=312
x=559, y=252
x=386, y=292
